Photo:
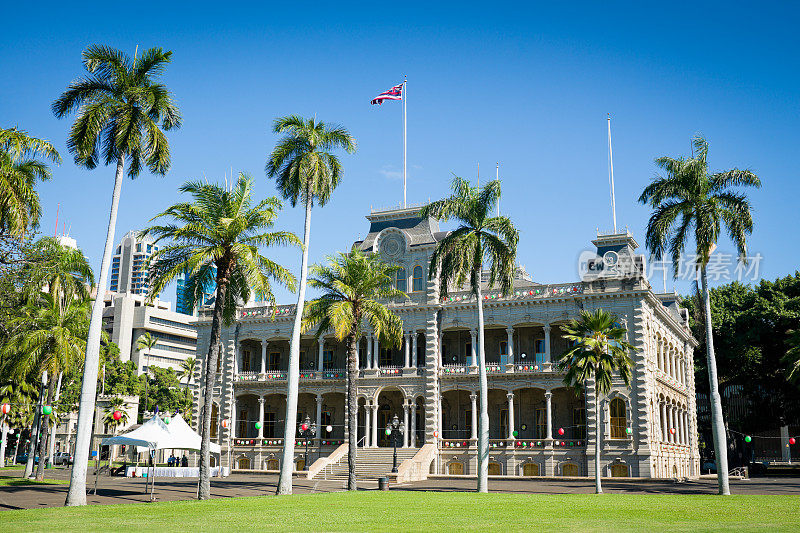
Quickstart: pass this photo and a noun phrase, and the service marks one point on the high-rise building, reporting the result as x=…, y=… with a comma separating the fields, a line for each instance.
x=182, y=297
x=129, y=264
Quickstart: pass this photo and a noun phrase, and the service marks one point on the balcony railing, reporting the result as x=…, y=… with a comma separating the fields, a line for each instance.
x=538, y=291
x=455, y=369
x=274, y=441
x=390, y=370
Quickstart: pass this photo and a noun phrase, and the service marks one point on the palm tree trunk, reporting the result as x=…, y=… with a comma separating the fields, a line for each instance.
x=717, y=419
x=483, y=420
x=4, y=427
x=91, y=367
x=52, y=440
x=598, y=438
x=352, y=410
x=204, y=491
x=44, y=435
x=293, y=375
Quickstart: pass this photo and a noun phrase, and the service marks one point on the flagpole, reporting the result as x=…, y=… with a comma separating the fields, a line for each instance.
x=611, y=175
x=405, y=94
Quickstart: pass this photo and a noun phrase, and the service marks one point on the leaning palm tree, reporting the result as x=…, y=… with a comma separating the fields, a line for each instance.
x=480, y=240
x=51, y=338
x=216, y=238
x=599, y=352
x=305, y=171
x=689, y=199
x=146, y=342
x=20, y=169
x=353, y=287
x=121, y=111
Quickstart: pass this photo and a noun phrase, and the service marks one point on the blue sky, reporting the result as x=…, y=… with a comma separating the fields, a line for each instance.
x=526, y=85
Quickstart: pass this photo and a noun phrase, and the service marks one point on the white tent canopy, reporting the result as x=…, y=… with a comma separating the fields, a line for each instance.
x=158, y=435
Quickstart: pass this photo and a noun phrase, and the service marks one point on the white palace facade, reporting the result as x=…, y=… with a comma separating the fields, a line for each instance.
x=538, y=426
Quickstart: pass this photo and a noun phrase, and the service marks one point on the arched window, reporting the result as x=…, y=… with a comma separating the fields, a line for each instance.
x=618, y=419
x=417, y=284
x=401, y=284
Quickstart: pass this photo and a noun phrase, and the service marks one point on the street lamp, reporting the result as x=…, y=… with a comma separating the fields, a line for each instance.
x=307, y=429
x=395, y=431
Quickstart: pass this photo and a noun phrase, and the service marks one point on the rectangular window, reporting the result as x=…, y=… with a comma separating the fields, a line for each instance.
x=327, y=420
x=579, y=421
x=246, y=361
x=138, y=247
x=468, y=351
x=541, y=423
x=503, y=347
x=269, y=425
x=467, y=423
x=540, y=346
x=503, y=424
x=274, y=361
x=385, y=358
x=242, y=424
x=327, y=359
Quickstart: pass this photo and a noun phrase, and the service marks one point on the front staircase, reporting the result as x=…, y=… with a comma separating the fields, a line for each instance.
x=371, y=463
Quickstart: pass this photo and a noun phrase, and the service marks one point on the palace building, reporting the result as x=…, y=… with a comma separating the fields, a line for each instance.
x=538, y=426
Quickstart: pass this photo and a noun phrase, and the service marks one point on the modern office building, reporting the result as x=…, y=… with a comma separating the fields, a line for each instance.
x=128, y=316
x=129, y=264
x=182, y=298
x=537, y=425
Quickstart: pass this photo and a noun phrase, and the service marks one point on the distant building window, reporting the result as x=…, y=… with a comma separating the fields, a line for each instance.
x=138, y=247
x=401, y=283
x=149, y=248
x=119, y=250
x=417, y=284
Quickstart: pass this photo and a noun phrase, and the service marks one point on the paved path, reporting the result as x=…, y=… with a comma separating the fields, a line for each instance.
x=116, y=490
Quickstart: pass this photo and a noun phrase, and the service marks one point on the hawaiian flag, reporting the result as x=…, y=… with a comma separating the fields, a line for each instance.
x=395, y=93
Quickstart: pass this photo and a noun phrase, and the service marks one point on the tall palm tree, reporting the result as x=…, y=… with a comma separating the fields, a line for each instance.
x=353, y=286
x=305, y=171
x=689, y=199
x=480, y=240
x=187, y=371
x=599, y=352
x=121, y=111
x=52, y=339
x=217, y=238
x=20, y=169
x=18, y=394
x=146, y=342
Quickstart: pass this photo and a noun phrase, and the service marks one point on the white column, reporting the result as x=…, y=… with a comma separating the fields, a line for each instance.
x=405, y=424
x=474, y=360
x=321, y=355
x=407, y=348
x=375, y=424
x=413, y=432
x=414, y=348
x=376, y=354
x=548, y=357
x=264, y=356
x=369, y=351
x=319, y=416
x=474, y=429
x=236, y=364
x=261, y=417
x=440, y=359
x=684, y=422
x=510, y=349
x=367, y=416
x=510, y=397
x=663, y=419
x=548, y=396
x=671, y=416
x=231, y=428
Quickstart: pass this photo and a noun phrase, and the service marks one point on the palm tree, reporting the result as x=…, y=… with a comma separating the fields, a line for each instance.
x=352, y=287
x=18, y=394
x=688, y=199
x=64, y=270
x=599, y=351
x=116, y=404
x=305, y=171
x=479, y=240
x=792, y=357
x=187, y=371
x=19, y=171
x=121, y=111
x=223, y=230
x=51, y=338
x=146, y=342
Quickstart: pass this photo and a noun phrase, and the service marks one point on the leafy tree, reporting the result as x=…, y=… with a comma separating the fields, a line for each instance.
x=353, y=286
x=121, y=111
x=480, y=240
x=20, y=396
x=20, y=169
x=146, y=342
x=223, y=230
x=165, y=391
x=305, y=171
x=188, y=368
x=600, y=352
x=690, y=199
x=116, y=404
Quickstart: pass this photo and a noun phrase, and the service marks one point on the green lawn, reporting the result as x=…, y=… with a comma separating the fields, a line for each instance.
x=426, y=511
x=17, y=481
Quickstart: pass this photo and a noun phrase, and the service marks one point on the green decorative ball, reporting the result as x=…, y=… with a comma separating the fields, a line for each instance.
x=748, y=438
x=388, y=431
x=46, y=409
x=628, y=431
x=258, y=425
x=515, y=433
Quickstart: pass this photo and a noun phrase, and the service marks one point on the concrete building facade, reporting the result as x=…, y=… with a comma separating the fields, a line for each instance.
x=538, y=426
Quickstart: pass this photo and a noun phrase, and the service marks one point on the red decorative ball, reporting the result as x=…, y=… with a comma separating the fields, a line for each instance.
x=435, y=434
x=6, y=408
x=117, y=415
x=672, y=430
x=225, y=423
x=792, y=440
x=304, y=427
x=560, y=431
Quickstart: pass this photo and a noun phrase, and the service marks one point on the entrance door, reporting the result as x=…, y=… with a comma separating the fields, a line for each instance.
x=530, y=469
x=619, y=470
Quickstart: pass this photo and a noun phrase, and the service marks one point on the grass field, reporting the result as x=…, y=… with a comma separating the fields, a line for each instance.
x=426, y=511
x=17, y=481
